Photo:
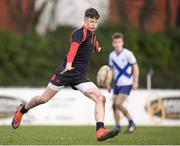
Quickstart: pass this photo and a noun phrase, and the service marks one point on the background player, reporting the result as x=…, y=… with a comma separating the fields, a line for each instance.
x=73, y=72
x=126, y=75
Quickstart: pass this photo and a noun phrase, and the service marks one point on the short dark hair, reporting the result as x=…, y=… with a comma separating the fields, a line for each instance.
x=117, y=35
x=92, y=13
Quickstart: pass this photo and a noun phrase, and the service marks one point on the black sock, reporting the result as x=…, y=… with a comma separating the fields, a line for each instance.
x=131, y=122
x=24, y=110
x=99, y=125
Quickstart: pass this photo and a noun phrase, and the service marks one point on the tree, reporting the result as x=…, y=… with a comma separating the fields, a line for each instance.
x=23, y=14
x=178, y=17
x=146, y=12
x=169, y=9
x=121, y=10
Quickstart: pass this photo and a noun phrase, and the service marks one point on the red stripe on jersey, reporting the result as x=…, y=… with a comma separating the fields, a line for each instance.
x=72, y=52
x=97, y=47
x=84, y=34
x=54, y=78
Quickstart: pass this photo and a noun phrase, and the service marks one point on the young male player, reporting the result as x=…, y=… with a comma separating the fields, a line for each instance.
x=126, y=75
x=73, y=72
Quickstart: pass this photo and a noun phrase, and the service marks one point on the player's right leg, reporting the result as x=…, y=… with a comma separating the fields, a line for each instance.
x=91, y=90
x=116, y=114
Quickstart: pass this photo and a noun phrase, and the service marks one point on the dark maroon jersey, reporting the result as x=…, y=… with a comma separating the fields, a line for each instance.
x=87, y=44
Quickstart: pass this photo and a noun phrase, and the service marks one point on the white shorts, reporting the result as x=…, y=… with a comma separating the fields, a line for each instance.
x=83, y=87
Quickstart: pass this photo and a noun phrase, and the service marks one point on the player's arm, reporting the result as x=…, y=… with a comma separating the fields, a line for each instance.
x=135, y=67
x=76, y=39
x=72, y=53
x=70, y=56
x=135, y=76
x=111, y=84
x=112, y=69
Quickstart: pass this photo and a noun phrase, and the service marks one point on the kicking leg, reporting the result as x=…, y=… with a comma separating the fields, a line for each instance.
x=35, y=101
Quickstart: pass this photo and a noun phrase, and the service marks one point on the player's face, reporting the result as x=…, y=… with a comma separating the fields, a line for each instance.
x=118, y=44
x=91, y=23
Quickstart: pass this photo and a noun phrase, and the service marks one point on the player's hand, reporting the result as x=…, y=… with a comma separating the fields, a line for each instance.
x=99, y=49
x=67, y=68
x=135, y=86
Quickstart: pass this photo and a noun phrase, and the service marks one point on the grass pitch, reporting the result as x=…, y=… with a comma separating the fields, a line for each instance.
x=85, y=135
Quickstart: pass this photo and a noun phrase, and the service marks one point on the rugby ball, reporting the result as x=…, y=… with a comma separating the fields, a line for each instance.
x=104, y=76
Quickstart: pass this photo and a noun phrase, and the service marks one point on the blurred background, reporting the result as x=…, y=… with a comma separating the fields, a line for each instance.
x=34, y=40
x=34, y=37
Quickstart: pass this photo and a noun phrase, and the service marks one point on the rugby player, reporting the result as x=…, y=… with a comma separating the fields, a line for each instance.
x=73, y=73
x=126, y=76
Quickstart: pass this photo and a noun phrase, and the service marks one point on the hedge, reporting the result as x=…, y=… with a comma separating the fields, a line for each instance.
x=29, y=59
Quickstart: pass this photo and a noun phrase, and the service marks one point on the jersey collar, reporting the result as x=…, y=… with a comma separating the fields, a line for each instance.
x=118, y=53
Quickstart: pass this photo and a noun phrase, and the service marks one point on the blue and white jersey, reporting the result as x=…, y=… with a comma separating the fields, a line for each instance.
x=122, y=65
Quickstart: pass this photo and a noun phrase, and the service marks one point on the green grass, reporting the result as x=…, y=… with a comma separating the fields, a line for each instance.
x=85, y=135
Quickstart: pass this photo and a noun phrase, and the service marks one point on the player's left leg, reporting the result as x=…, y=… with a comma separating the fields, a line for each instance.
x=91, y=90
x=120, y=105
